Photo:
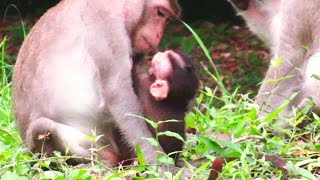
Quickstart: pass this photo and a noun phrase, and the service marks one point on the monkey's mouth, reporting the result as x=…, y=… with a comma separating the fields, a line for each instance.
x=149, y=46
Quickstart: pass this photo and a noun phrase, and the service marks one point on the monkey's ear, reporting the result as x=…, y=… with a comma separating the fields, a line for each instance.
x=159, y=89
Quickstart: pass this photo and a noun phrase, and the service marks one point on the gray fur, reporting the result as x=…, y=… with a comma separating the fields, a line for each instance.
x=73, y=75
x=288, y=27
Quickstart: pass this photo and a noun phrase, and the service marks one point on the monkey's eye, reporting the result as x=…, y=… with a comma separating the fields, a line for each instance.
x=161, y=12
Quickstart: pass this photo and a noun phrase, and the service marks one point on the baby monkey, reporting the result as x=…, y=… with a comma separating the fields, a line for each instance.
x=166, y=92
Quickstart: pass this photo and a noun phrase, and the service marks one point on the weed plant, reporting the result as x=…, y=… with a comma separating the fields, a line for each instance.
x=226, y=124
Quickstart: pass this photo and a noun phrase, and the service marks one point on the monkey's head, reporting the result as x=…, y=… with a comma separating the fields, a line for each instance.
x=173, y=77
x=148, y=33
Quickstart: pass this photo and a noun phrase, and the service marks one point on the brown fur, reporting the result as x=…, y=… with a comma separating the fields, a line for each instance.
x=183, y=86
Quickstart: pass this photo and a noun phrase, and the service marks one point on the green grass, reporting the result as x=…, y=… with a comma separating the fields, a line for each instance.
x=220, y=110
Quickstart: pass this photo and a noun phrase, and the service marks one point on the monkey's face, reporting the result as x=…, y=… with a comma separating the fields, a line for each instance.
x=161, y=66
x=172, y=73
x=165, y=63
x=174, y=76
x=160, y=70
x=147, y=35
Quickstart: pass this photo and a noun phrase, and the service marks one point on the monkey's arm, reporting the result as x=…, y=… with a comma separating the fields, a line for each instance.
x=125, y=104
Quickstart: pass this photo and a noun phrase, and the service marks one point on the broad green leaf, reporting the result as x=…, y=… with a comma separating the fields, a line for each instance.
x=305, y=173
x=228, y=144
x=298, y=121
x=212, y=145
x=299, y=171
x=51, y=175
x=305, y=162
x=178, y=176
x=208, y=91
x=13, y=176
x=135, y=178
x=171, y=134
x=163, y=158
x=168, y=175
x=230, y=153
x=152, y=123
x=315, y=116
x=200, y=98
x=79, y=174
x=240, y=128
x=203, y=167
x=140, y=156
x=152, y=141
x=114, y=177
x=191, y=120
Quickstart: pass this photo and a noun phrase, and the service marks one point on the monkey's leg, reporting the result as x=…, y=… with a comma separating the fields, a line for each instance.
x=46, y=136
x=284, y=77
x=132, y=128
x=311, y=84
x=277, y=88
x=121, y=101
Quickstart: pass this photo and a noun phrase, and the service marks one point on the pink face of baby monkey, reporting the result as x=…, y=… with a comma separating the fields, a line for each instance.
x=162, y=68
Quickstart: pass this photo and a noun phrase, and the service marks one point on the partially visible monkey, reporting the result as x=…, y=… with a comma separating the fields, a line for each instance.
x=73, y=75
x=166, y=93
x=292, y=29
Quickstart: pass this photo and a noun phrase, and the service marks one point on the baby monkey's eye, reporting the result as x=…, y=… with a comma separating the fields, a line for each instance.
x=162, y=12
x=189, y=69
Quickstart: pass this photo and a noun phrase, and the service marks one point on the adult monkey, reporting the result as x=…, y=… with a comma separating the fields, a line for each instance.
x=73, y=74
x=288, y=27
